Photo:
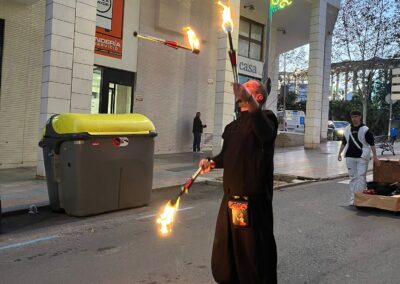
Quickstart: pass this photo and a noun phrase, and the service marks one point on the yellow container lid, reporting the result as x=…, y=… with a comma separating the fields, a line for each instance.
x=102, y=124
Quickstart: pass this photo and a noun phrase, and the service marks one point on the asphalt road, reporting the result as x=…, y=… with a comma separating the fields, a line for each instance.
x=319, y=241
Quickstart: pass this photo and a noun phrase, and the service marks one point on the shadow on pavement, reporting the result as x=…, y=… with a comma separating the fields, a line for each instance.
x=368, y=211
x=24, y=222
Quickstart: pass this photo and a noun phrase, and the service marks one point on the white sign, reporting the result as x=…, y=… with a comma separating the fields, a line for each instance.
x=104, y=14
x=396, y=84
x=249, y=67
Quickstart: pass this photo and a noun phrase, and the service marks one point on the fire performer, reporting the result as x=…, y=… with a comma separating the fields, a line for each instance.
x=244, y=249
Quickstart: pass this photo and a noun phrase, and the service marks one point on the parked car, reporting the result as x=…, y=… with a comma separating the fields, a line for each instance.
x=336, y=129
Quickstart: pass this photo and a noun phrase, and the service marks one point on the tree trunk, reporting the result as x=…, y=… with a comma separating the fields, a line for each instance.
x=365, y=103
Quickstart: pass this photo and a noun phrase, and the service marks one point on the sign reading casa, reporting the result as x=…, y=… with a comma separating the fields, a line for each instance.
x=250, y=67
x=109, y=28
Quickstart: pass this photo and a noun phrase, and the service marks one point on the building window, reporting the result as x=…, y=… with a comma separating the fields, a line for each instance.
x=1, y=47
x=251, y=35
x=244, y=78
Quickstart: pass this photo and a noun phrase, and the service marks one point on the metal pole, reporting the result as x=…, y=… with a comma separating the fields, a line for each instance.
x=390, y=107
x=390, y=114
x=284, y=91
x=267, y=44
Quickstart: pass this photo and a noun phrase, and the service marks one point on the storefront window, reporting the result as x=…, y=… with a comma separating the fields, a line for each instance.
x=250, y=39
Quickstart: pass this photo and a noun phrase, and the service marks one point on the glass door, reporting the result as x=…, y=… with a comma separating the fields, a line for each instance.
x=112, y=90
x=119, y=98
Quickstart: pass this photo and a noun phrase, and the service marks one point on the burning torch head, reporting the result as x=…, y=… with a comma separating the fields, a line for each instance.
x=166, y=218
x=193, y=40
x=227, y=23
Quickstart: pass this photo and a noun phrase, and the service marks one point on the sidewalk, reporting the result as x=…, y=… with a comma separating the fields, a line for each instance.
x=19, y=188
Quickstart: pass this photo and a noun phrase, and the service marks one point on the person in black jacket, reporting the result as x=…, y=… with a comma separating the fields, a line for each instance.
x=244, y=249
x=197, y=131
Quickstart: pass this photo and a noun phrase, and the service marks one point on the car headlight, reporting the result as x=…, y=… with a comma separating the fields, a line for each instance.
x=340, y=132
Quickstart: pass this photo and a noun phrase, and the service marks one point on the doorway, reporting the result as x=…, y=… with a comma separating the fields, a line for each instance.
x=112, y=90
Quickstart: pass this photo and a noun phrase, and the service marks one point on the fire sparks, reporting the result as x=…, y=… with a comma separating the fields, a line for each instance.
x=166, y=219
x=193, y=40
x=227, y=23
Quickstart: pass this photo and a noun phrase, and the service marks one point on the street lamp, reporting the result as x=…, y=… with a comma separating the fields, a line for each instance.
x=284, y=91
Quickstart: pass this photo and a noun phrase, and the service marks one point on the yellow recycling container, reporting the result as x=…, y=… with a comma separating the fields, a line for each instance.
x=98, y=163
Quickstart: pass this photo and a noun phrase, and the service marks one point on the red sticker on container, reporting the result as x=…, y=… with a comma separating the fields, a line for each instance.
x=120, y=141
x=116, y=142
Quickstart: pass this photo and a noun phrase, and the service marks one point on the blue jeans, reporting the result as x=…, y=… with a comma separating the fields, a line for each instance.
x=196, y=141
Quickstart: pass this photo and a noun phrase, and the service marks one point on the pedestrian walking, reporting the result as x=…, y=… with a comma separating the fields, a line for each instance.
x=356, y=143
x=197, y=132
x=244, y=249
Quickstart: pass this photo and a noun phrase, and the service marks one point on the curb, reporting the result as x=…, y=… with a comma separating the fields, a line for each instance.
x=22, y=210
x=19, y=210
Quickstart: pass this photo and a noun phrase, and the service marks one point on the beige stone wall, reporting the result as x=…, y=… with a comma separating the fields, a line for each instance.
x=173, y=84
x=21, y=82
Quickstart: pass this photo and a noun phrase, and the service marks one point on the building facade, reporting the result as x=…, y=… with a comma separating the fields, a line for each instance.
x=81, y=56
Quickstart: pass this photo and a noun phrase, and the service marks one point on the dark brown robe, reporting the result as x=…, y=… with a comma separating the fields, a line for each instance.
x=247, y=255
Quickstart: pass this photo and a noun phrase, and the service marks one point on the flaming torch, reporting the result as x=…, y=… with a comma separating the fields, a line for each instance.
x=166, y=218
x=193, y=41
x=227, y=26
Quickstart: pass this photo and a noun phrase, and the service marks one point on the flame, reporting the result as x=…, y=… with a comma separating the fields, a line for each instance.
x=166, y=219
x=193, y=40
x=227, y=23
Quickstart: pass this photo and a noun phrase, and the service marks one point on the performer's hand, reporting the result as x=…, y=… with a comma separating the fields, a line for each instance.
x=240, y=93
x=339, y=157
x=206, y=165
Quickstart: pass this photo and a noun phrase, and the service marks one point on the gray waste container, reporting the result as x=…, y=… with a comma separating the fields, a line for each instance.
x=97, y=163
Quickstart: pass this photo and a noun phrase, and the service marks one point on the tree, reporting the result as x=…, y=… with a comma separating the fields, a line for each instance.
x=378, y=109
x=293, y=66
x=291, y=102
x=296, y=59
x=367, y=31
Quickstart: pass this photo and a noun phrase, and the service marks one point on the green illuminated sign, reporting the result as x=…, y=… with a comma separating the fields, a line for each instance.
x=276, y=5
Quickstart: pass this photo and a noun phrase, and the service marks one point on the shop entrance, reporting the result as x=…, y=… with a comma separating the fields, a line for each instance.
x=112, y=91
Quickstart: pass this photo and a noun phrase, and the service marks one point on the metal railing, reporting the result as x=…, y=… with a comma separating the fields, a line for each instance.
x=383, y=142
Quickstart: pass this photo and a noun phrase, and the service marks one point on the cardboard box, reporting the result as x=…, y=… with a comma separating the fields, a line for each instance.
x=391, y=203
x=387, y=172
